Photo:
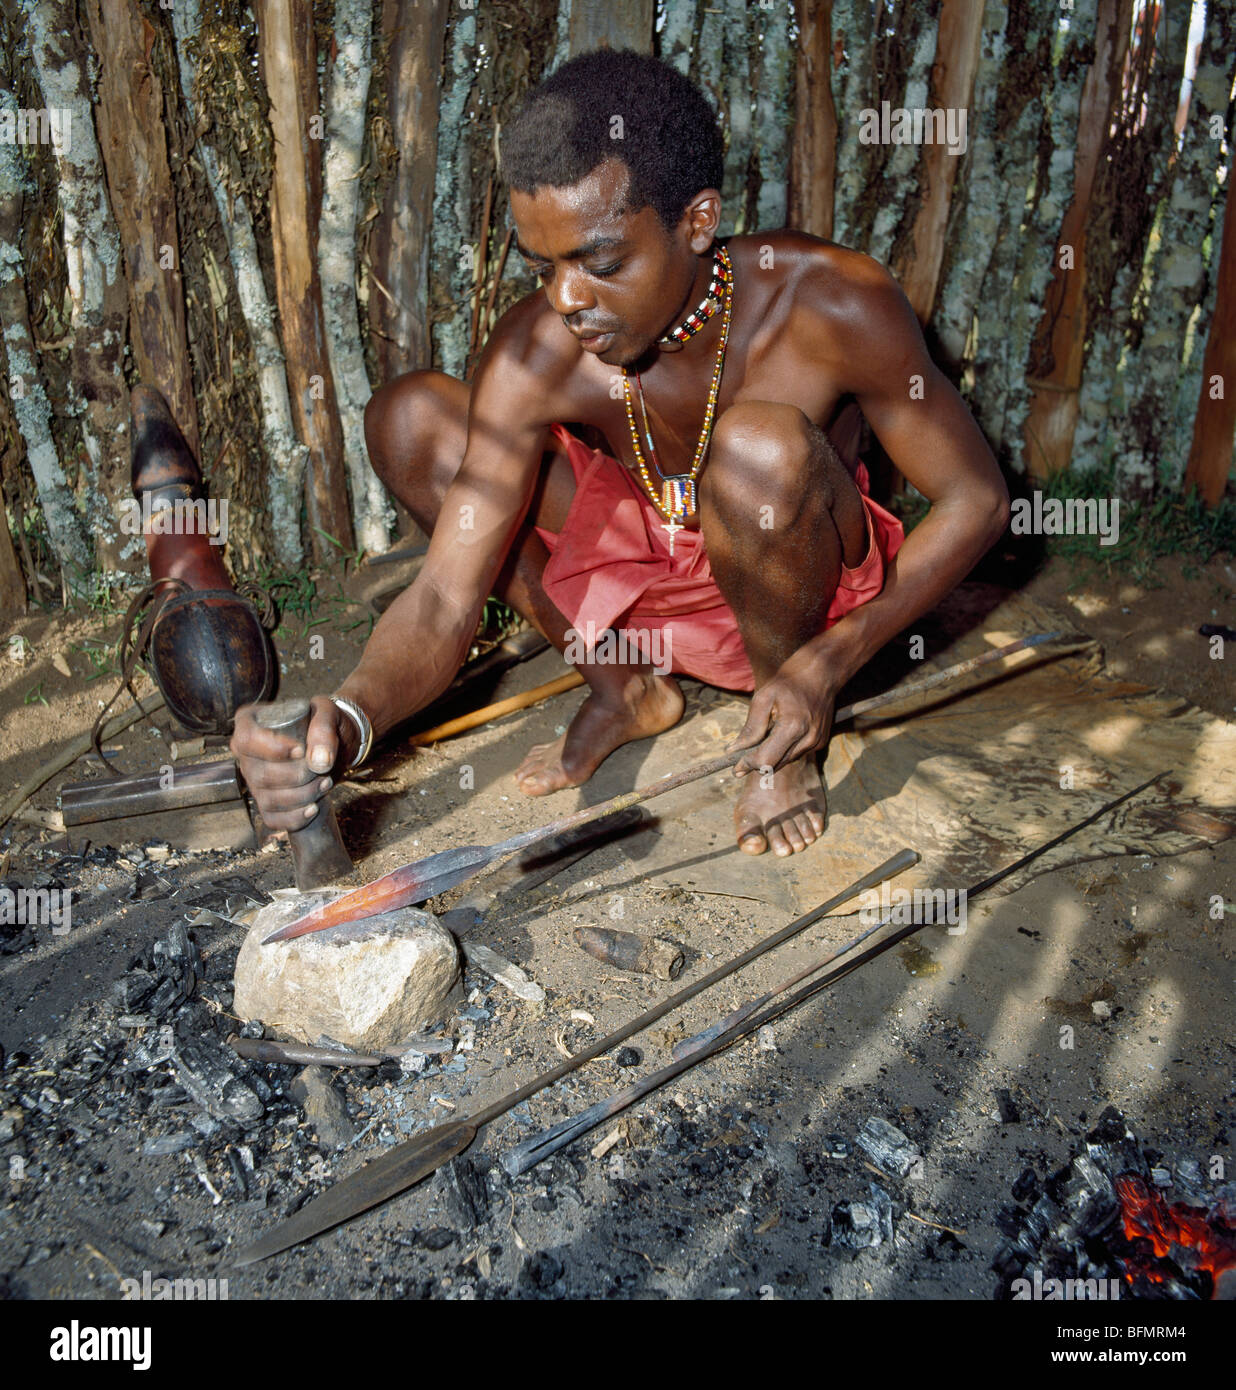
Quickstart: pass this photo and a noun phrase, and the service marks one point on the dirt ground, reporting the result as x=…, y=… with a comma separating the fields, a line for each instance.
x=724, y=1185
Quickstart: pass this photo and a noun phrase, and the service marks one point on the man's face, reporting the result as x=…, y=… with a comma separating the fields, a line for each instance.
x=616, y=276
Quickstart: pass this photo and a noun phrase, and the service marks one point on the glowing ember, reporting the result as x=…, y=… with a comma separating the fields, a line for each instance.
x=1180, y=1234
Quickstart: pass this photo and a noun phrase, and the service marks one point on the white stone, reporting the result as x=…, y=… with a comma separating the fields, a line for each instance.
x=368, y=984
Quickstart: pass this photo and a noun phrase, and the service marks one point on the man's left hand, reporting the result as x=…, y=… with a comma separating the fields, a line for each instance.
x=790, y=715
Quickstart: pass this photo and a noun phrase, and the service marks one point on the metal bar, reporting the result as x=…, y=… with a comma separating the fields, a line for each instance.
x=542, y=1146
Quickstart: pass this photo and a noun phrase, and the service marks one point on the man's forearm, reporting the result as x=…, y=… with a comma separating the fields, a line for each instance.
x=936, y=557
x=411, y=657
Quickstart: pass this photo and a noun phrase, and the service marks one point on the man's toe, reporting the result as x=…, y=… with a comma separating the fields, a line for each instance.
x=751, y=840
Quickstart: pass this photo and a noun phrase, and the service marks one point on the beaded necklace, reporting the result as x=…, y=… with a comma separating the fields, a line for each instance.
x=677, y=496
x=718, y=286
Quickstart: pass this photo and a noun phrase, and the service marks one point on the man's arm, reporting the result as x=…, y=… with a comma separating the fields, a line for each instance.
x=422, y=639
x=877, y=353
x=930, y=435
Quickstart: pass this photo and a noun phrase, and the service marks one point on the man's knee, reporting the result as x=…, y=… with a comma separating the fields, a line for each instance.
x=404, y=423
x=765, y=453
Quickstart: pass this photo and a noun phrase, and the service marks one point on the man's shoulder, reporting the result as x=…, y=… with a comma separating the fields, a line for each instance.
x=529, y=361
x=824, y=273
x=843, y=300
x=530, y=330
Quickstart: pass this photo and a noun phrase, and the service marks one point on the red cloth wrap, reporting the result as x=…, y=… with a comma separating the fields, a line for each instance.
x=610, y=565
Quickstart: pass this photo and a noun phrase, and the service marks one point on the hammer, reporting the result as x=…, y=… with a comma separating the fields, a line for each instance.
x=318, y=853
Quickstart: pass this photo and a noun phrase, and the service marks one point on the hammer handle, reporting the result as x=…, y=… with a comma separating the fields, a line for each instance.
x=319, y=855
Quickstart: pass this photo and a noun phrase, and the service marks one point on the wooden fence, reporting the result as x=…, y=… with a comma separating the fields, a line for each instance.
x=264, y=210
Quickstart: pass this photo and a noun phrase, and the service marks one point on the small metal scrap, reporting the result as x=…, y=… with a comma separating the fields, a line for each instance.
x=628, y=950
x=299, y=1054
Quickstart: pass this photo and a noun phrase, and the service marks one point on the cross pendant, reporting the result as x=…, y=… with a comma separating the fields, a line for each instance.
x=672, y=526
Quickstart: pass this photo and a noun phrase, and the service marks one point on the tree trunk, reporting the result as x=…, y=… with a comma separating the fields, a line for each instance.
x=813, y=154
x=952, y=88
x=1142, y=418
x=899, y=190
x=676, y=36
x=12, y=585
x=1026, y=73
x=289, y=70
x=1057, y=353
x=1053, y=183
x=736, y=95
x=346, y=101
x=453, y=252
x=29, y=400
x=772, y=83
x=854, y=90
x=1211, y=456
x=399, y=242
x=97, y=295
x=977, y=205
x=285, y=455
x=602, y=24
x=139, y=184
x=1209, y=111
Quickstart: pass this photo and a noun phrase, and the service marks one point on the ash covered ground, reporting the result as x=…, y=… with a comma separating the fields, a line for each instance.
x=774, y=1171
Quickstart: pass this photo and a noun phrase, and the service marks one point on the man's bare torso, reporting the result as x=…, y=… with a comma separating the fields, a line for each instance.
x=798, y=302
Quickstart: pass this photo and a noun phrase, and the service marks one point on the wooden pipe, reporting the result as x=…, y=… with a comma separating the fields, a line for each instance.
x=319, y=855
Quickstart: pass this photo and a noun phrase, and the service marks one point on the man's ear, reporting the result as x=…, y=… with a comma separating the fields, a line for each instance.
x=701, y=218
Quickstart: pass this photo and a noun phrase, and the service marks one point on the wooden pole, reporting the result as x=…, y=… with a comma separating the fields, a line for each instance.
x=399, y=244
x=1057, y=354
x=12, y=585
x=952, y=87
x=289, y=70
x=495, y=711
x=1210, y=457
x=133, y=144
x=813, y=151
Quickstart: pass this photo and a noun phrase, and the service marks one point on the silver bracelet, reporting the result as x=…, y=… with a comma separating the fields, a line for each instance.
x=363, y=727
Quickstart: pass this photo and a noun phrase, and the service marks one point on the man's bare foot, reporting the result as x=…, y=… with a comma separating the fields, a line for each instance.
x=786, y=817
x=645, y=705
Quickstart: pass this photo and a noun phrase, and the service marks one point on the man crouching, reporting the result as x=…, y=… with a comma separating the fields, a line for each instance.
x=642, y=460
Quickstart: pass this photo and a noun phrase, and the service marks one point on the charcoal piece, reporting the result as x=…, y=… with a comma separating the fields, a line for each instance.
x=149, y=886
x=1008, y=1262
x=855, y=1226
x=464, y=1194
x=837, y=1146
x=541, y=1270
x=237, y=886
x=1110, y=1129
x=238, y=1172
x=887, y=1147
x=1009, y=1221
x=132, y=988
x=170, y=1095
x=629, y=1057
x=1009, y=1113
x=168, y=993
x=436, y=1238
x=203, y=1070
x=1043, y=1217
x=1117, y=1156
x=1026, y=1185
x=882, y=1204
x=1224, y=1208
x=325, y=1108
x=1189, y=1183
x=168, y=1144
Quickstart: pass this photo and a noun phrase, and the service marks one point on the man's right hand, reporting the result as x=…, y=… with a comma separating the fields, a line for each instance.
x=288, y=778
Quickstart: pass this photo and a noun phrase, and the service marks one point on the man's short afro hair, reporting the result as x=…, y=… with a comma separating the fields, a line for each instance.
x=667, y=134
